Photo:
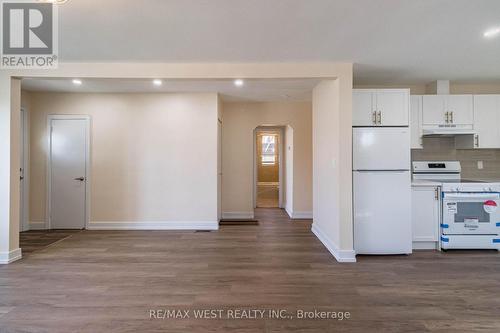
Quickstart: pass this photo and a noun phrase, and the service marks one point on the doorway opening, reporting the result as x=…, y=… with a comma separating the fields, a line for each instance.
x=268, y=164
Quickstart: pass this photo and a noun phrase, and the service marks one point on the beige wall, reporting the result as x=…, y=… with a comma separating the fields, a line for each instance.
x=468, y=88
x=153, y=156
x=326, y=70
x=326, y=156
x=415, y=89
x=10, y=98
x=455, y=88
x=332, y=158
x=240, y=120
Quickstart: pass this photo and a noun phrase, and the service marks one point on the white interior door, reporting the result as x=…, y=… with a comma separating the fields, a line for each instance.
x=68, y=160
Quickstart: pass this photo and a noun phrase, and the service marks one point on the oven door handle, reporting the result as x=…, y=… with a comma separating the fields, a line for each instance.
x=459, y=196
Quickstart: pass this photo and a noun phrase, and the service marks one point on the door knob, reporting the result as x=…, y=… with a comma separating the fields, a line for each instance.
x=80, y=179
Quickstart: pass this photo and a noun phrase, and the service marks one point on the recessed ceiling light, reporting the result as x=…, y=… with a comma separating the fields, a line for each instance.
x=77, y=82
x=157, y=82
x=490, y=33
x=238, y=83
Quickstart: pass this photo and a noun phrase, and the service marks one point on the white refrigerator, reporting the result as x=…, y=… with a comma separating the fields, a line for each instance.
x=382, y=190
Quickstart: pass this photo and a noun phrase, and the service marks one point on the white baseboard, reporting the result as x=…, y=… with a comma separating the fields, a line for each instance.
x=426, y=245
x=307, y=215
x=340, y=255
x=11, y=256
x=37, y=225
x=153, y=225
x=238, y=215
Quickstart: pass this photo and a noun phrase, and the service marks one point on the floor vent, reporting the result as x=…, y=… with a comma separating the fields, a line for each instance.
x=203, y=230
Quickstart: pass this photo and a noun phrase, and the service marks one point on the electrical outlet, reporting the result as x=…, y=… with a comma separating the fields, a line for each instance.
x=480, y=165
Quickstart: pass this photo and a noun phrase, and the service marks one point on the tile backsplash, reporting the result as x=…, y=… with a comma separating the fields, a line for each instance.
x=443, y=149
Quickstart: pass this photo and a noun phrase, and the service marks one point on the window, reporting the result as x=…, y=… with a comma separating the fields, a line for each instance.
x=268, y=155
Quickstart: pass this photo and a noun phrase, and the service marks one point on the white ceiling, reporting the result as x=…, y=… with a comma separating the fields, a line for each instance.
x=390, y=41
x=264, y=90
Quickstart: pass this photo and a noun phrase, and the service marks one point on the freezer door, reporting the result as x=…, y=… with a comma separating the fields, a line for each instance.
x=382, y=212
x=381, y=148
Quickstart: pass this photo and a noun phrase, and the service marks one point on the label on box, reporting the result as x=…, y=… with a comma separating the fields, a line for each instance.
x=452, y=207
x=490, y=206
x=471, y=223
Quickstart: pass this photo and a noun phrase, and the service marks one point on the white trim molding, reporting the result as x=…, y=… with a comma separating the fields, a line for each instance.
x=11, y=256
x=153, y=225
x=37, y=225
x=238, y=215
x=340, y=255
x=426, y=245
x=300, y=215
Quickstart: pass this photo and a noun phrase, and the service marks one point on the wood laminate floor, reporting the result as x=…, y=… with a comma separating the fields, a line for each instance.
x=267, y=196
x=109, y=281
x=34, y=240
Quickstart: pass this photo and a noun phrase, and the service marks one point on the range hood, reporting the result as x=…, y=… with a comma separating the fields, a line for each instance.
x=447, y=130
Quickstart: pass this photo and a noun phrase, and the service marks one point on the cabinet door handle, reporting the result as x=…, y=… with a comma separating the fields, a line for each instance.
x=380, y=117
x=476, y=137
x=374, y=117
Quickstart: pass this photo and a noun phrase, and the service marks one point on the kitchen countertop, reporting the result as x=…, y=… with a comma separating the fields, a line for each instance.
x=424, y=183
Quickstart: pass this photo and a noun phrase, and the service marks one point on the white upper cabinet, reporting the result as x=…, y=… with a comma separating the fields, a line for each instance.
x=363, y=107
x=447, y=110
x=433, y=110
x=486, y=124
x=487, y=121
x=380, y=107
x=416, y=121
x=461, y=109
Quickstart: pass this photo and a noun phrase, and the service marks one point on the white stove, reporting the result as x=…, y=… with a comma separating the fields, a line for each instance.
x=470, y=214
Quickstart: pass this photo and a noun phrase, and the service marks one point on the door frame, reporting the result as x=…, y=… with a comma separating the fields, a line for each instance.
x=281, y=130
x=24, y=222
x=49, y=165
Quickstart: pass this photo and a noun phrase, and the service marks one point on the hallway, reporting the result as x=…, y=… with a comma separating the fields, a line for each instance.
x=97, y=281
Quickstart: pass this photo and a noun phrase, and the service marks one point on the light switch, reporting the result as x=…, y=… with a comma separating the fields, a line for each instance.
x=480, y=165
